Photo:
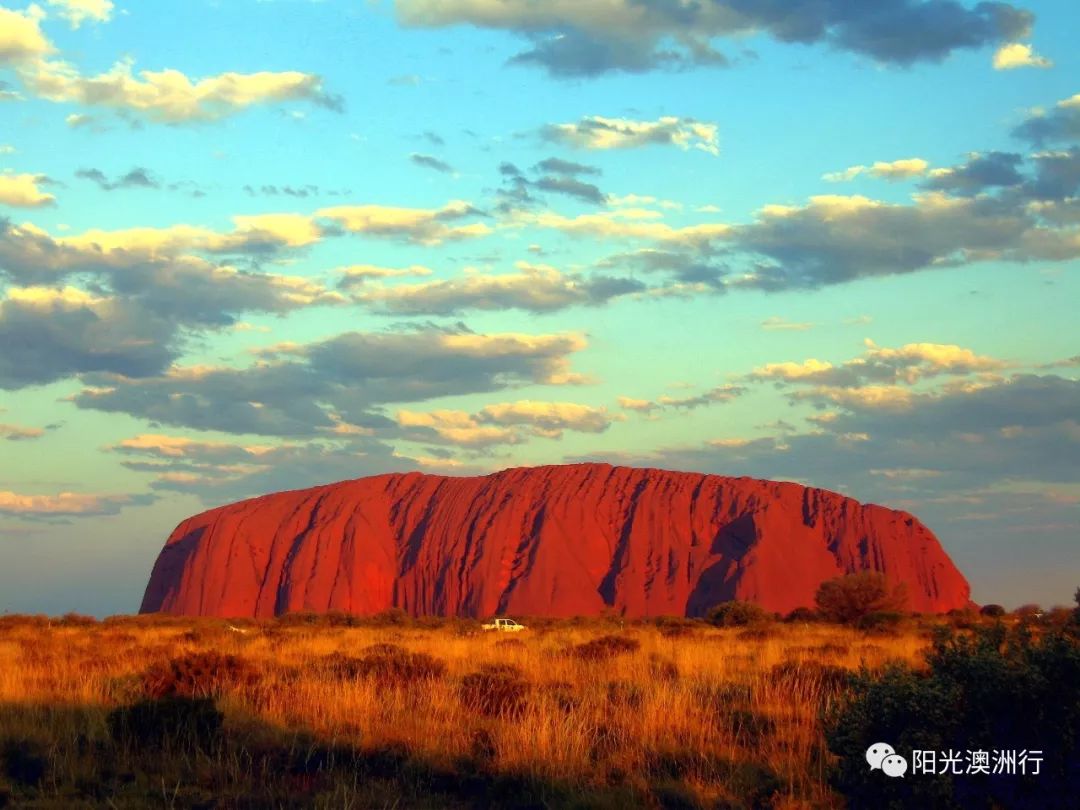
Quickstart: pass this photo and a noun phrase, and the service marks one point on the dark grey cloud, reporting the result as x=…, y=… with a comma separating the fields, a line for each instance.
x=634, y=36
x=135, y=312
x=1057, y=175
x=836, y=240
x=682, y=267
x=957, y=438
x=302, y=390
x=556, y=176
x=571, y=187
x=1059, y=124
x=980, y=172
x=300, y=192
x=554, y=165
x=220, y=473
x=43, y=341
x=431, y=162
x=137, y=177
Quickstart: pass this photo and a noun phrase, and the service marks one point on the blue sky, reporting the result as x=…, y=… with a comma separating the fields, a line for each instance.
x=250, y=246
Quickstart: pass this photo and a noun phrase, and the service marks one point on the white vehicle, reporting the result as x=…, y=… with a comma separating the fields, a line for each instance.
x=505, y=626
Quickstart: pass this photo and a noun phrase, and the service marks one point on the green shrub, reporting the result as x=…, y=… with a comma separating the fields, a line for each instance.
x=993, y=611
x=847, y=599
x=803, y=614
x=737, y=614
x=880, y=621
x=991, y=688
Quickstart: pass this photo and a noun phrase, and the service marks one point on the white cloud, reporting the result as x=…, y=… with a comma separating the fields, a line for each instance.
x=21, y=38
x=425, y=226
x=902, y=169
x=169, y=96
x=76, y=12
x=598, y=132
x=1014, y=55
x=21, y=190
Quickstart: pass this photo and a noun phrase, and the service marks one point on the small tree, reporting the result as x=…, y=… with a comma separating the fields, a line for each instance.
x=993, y=611
x=847, y=599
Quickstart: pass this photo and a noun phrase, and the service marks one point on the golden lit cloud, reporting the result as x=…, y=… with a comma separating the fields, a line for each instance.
x=21, y=190
x=1014, y=55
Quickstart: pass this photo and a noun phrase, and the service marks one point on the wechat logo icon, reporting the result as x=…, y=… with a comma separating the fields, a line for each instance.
x=883, y=757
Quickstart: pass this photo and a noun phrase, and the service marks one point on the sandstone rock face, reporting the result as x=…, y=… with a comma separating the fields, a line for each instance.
x=557, y=541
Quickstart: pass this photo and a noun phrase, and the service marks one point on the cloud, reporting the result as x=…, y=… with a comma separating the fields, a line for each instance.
x=835, y=239
x=776, y=323
x=312, y=389
x=597, y=132
x=721, y=393
x=67, y=504
x=429, y=162
x=422, y=226
x=48, y=334
x=504, y=423
x=165, y=96
x=638, y=405
x=1014, y=55
x=76, y=12
x=222, y=472
x=1061, y=123
x=902, y=169
x=684, y=268
x=169, y=96
x=980, y=172
x=571, y=38
x=21, y=37
x=556, y=176
x=135, y=178
x=572, y=187
x=625, y=223
x=907, y=365
x=147, y=299
x=21, y=191
x=554, y=165
x=15, y=433
x=943, y=450
x=718, y=394
x=358, y=274
x=534, y=288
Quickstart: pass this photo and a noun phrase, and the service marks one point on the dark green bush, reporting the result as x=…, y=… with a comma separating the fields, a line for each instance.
x=880, y=620
x=803, y=614
x=847, y=599
x=989, y=689
x=993, y=611
x=737, y=614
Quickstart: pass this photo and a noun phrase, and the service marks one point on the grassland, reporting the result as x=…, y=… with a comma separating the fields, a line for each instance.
x=424, y=714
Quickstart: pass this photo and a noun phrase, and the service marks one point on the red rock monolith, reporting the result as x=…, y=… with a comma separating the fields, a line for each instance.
x=558, y=541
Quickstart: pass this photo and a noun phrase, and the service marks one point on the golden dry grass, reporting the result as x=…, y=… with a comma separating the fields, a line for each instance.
x=710, y=718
